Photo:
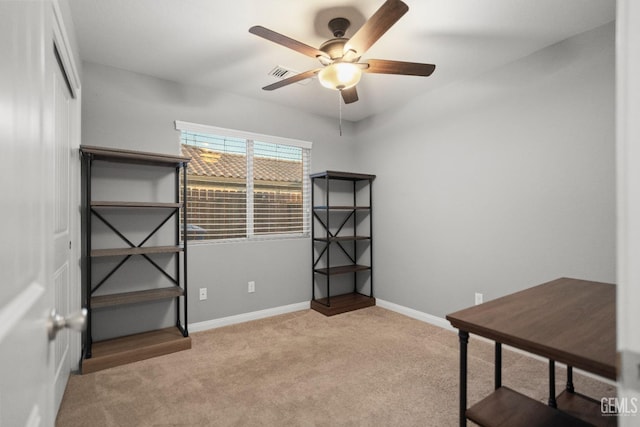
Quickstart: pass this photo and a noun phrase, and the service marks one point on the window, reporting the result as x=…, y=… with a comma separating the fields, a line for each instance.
x=242, y=185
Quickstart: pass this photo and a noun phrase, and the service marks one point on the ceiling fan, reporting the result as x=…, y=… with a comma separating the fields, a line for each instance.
x=340, y=56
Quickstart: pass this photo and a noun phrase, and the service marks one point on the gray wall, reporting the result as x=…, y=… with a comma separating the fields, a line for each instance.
x=132, y=111
x=490, y=185
x=497, y=183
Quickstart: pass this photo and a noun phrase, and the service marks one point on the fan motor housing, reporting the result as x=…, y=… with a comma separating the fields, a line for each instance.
x=334, y=47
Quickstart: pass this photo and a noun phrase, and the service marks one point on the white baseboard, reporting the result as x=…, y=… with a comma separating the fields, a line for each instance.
x=246, y=317
x=415, y=314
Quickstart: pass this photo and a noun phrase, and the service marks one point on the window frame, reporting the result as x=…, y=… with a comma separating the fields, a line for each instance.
x=250, y=138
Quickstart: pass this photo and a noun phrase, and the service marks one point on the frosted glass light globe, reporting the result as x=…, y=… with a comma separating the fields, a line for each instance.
x=341, y=75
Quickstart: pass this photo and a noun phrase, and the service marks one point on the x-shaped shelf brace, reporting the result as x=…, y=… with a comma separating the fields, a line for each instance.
x=132, y=245
x=332, y=235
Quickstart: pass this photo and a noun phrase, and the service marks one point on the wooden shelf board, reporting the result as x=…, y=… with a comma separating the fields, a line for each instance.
x=342, y=269
x=133, y=348
x=130, y=156
x=505, y=407
x=116, y=204
x=135, y=297
x=585, y=408
x=348, y=176
x=341, y=238
x=135, y=251
x=342, y=303
x=341, y=208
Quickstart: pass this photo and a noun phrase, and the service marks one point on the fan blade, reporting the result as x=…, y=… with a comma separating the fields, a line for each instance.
x=292, y=79
x=349, y=95
x=384, y=18
x=285, y=41
x=383, y=66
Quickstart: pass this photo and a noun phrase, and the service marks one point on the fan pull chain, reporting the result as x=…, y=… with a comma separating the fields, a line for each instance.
x=340, y=110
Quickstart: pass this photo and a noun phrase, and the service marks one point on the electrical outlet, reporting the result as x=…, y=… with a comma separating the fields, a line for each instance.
x=251, y=287
x=478, y=298
x=203, y=294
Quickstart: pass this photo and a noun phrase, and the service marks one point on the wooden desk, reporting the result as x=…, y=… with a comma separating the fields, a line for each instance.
x=566, y=320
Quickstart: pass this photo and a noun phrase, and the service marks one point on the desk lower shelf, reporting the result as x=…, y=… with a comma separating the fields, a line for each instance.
x=585, y=408
x=506, y=407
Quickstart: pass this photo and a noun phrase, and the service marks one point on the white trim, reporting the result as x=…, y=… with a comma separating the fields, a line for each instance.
x=249, y=197
x=415, y=314
x=195, y=127
x=247, y=317
x=62, y=43
x=628, y=174
x=628, y=197
x=17, y=308
x=255, y=238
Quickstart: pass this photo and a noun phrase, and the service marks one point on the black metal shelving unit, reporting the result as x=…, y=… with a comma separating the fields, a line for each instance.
x=337, y=232
x=113, y=352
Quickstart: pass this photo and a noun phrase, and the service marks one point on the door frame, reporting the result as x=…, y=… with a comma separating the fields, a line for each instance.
x=60, y=38
x=628, y=205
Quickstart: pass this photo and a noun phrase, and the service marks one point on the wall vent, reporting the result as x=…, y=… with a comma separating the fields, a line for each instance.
x=281, y=73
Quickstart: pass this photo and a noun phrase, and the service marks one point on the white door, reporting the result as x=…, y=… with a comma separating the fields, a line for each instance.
x=29, y=216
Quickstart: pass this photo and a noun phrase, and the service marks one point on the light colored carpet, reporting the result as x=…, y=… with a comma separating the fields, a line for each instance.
x=371, y=367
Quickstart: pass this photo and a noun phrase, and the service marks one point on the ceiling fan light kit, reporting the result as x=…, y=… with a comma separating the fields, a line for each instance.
x=339, y=57
x=340, y=75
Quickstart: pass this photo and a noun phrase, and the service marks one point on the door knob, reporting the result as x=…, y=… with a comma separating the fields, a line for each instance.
x=76, y=321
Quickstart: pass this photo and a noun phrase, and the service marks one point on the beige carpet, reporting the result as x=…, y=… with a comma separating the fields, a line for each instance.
x=371, y=367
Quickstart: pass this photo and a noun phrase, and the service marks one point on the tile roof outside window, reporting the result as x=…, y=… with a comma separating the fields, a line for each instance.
x=210, y=163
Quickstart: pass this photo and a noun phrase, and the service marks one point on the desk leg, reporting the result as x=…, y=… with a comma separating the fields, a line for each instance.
x=498, y=366
x=552, y=383
x=464, y=340
x=570, y=388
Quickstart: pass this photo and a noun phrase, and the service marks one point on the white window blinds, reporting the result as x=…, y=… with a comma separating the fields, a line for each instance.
x=242, y=186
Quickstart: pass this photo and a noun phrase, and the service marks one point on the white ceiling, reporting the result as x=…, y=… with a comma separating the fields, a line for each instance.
x=206, y=42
